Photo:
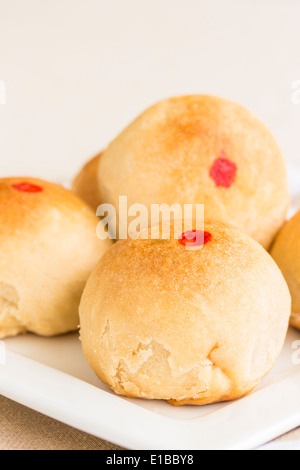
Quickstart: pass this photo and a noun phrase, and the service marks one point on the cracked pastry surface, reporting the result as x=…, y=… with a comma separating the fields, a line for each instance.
x=48, y=249
x=191, y=326
x=286, y=253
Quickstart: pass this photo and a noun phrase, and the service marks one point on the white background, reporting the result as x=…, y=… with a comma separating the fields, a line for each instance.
x=77, y=71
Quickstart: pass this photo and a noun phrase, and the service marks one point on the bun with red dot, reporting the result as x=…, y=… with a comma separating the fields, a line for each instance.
x=286, y=253
x=85, y=184
x=204, y=150
x=48, y=249
x=195, y=319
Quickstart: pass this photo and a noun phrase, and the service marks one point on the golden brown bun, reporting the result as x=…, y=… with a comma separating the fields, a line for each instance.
x=85, y=184
x=204, y=150
x=48, y=249
x=286, y=253
x=159, y=321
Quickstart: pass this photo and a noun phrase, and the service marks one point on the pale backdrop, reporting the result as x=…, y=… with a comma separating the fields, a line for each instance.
x=77, y=71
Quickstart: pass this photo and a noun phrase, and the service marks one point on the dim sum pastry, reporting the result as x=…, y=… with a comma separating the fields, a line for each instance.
x=161, y=319
x=286, y=253
x=204, y=150
x=48, y=249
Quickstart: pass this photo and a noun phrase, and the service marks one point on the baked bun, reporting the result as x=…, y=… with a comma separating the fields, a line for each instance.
x=286, y=253
x=48, y=250
x=160, y=321
x=85, y=184
x=204, y=150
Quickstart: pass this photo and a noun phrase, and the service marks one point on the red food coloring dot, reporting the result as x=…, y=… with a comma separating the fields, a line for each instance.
x=223, y=172
x=27, y=187
x=195, y=238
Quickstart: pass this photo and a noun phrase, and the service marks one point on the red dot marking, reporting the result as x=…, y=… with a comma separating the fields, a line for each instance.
x=27, y=187
x=195, y=238
x=223, y=172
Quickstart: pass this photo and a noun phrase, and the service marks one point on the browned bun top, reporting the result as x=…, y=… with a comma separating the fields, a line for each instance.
x=48, y=249
x=40, y=199
x=204, y=150
x=286, y=253
x=196, y=326
x=85, y=184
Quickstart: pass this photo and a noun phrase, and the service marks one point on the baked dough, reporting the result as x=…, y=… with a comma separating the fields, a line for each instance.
x=85, y=184
x=191, y=326
x=48, y=250
x=286, y=253
x=204, y=150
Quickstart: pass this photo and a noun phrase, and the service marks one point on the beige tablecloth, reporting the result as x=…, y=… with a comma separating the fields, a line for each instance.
x=24, y=429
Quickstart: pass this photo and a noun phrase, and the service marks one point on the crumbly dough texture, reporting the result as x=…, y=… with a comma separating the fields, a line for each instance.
x=48, y=249
x=286, y=253
x=159, y=321
x=85, y=184
x=166, y=156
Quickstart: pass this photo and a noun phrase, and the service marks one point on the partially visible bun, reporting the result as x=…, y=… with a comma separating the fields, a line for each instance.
x=201, y=150
x=286, y=253
x=85, y=184
x=48, y=250
x=196, y=326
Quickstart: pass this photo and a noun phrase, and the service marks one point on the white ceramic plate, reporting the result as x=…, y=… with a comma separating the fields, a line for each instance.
x=52, y=377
